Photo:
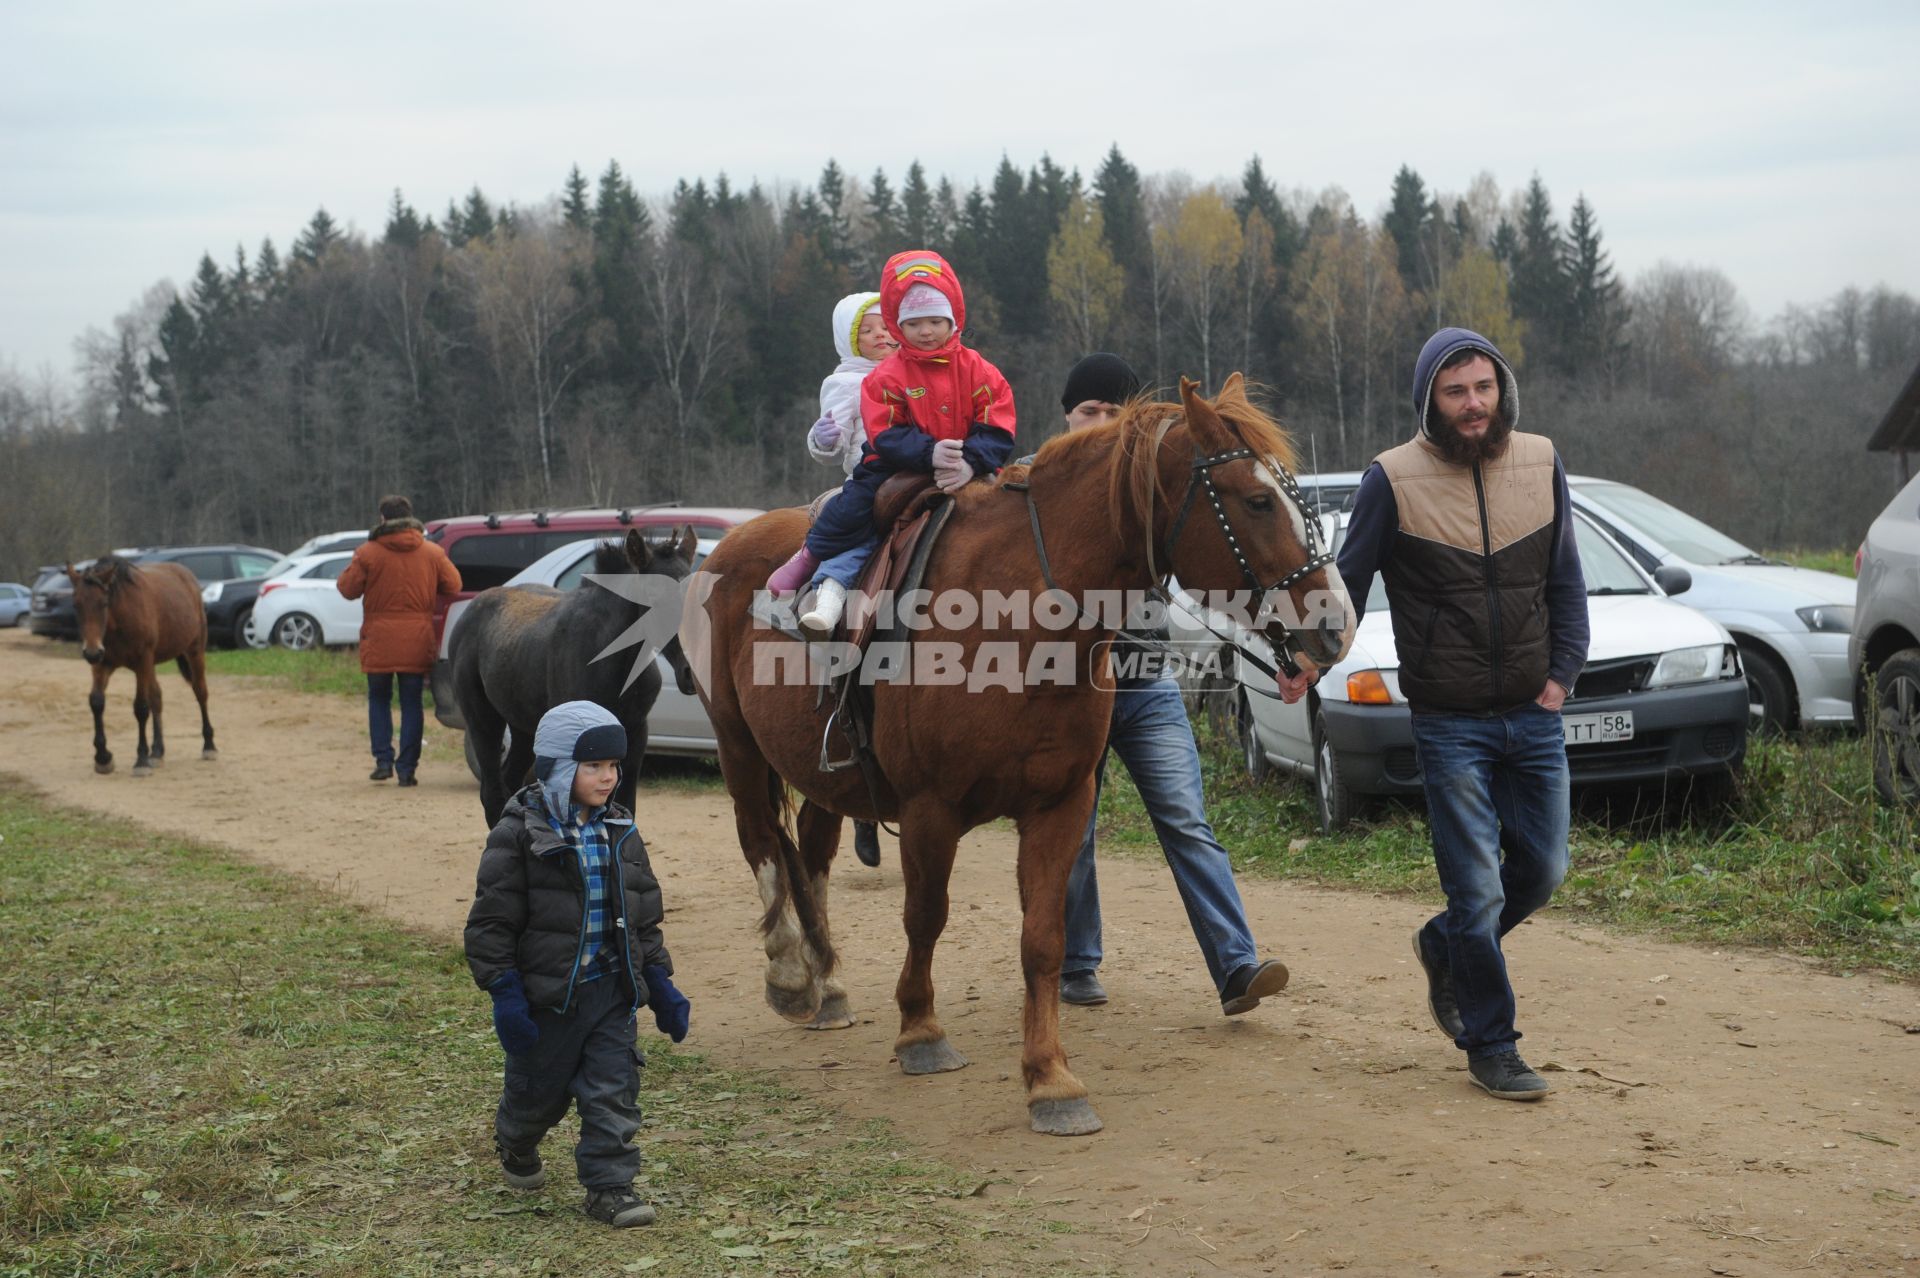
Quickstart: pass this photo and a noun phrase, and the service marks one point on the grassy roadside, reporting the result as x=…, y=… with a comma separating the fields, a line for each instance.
x=207, y=1068
x=1805, y=860
x=333, y=671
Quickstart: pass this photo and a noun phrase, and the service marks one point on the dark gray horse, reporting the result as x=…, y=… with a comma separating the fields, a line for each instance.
x=522, y=650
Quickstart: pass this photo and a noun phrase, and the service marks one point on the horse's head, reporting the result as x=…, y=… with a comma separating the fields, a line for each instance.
x=1237, y=524
x=94, y=589
x=672, y=558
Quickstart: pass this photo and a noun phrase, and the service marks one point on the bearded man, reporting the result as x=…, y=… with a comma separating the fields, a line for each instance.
x=1472, y=527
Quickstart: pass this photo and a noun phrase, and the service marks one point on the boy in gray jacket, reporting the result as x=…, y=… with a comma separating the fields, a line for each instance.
x=564, y=933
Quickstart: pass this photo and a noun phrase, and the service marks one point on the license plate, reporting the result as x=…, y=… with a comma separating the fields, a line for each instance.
x=1596, y=729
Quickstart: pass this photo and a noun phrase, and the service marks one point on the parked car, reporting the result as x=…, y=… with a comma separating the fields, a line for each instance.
x=1884, y=648
x=15, y=602
x=489, y=549
x=1661, y=699
x=301, y=607
x=230, y=602
x=677, y=724
x=1792, y=624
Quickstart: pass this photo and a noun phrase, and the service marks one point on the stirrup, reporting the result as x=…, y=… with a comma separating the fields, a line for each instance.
x=827, y=762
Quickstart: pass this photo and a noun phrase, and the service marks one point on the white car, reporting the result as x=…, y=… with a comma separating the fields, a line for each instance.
x=677, y=724
x=1792, y=624
x=1885, y=645
x=1661, y=699
x=301, y=608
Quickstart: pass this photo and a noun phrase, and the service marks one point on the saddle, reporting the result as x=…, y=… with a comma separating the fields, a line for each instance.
x=907, y=511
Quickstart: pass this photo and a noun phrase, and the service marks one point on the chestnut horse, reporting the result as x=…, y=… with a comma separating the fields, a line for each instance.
x=1195, y=488
x=135, y=617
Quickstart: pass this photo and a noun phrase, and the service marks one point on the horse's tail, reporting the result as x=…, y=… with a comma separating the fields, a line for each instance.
x=793, y=882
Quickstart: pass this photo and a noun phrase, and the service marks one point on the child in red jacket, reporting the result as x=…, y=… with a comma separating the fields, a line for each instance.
x=934, y=405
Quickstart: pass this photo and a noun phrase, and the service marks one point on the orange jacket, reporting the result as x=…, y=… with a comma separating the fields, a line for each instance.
x=399, y=572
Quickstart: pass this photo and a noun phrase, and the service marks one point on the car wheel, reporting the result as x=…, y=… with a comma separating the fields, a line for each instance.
x=1338, y=805
x=1770, y=701
x=297, y=631
x=1251, y=752
x=1896, y=729
x=243, y=629
x=250, y=635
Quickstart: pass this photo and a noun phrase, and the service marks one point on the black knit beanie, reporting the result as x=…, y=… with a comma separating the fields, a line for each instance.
x=1100, y=376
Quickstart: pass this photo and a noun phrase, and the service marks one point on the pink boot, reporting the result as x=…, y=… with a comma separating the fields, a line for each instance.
x=793, y=574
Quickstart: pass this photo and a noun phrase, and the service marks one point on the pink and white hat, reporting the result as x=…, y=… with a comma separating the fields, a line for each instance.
x=924, y=301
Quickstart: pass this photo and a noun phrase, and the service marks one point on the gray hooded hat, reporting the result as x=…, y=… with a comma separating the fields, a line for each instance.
x=570, y=734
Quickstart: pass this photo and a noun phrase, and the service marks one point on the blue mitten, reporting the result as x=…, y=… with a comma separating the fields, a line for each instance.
x=670, y=1007
x=512, y=1018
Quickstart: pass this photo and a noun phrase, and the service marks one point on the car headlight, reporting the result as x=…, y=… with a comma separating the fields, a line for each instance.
x=1827, y=619
x=210, y=593
x=1695, y=665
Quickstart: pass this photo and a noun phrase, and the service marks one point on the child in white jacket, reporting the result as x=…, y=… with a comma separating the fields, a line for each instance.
x=861, y=338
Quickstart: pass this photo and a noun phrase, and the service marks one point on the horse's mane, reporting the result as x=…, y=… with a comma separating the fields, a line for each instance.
x=610, y=558
x=1127, y=448
x=109, y=571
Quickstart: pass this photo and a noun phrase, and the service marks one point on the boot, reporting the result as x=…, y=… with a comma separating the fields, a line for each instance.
x=793, y=574
x=817, y=622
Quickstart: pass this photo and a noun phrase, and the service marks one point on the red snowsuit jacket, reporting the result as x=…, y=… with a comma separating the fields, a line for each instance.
x=916, y=397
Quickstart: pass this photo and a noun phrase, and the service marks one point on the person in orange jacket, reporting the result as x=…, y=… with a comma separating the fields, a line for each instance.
x=399, y=573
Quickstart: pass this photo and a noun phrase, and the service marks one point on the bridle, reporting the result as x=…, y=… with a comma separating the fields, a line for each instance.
x=1200, y=475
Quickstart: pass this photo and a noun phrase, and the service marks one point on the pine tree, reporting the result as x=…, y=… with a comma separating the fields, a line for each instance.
x=833, y=201
x=476, y=217
x=916, y=208
x=266, y=270
x=573, y=205
x=883, y=221
x=1123, y=210
x=1597, y=313
x=1541, y=297
x=404, y=227
x=1405, y=221
x=946, y=214
x=320, y=235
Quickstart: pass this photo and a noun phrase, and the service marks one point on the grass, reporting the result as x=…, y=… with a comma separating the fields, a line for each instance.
x=1804, y=859
x=207, y=1068
x=1838, y=561
x=332, y=671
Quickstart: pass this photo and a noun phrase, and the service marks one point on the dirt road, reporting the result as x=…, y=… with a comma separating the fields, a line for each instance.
x=1715, y=1112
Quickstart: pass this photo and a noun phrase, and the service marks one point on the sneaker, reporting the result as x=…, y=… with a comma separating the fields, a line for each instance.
x=817, y=622
x=523, y=1171
x=618, y=1207
x=1247, y=986
x=1082, y=989
x=866, y=843
x=381, y=772
x=1440, y=1002
x=407, y=778
x=1505, y=1075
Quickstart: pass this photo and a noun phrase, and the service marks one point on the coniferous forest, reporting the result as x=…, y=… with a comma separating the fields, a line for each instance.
x=606, y=348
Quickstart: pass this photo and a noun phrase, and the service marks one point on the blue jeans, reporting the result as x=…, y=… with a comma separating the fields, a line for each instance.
x=1151, y=735
x=380, y=720
x=846, y=566
x=1493, y=785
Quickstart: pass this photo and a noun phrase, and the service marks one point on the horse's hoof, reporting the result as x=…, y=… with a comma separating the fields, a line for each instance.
x=798, y=1005
x=142, y=770
x=104, y=769
x=209, y=753
x=155, y=760
x=835, y=1013
x=1064, y=1117
x=936, y=1057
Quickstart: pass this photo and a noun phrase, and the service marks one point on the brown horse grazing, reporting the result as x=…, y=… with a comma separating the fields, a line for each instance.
x=135, y=617
x=1190, y=488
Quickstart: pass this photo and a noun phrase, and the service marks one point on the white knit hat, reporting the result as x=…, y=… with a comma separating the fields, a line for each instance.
x=924, y=301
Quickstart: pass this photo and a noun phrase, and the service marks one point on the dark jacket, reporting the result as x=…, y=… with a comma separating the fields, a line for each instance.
x=1481, y=562
x=530, y=912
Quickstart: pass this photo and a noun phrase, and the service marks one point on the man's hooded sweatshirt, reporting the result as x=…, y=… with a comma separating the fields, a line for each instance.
x=916, y=397
x=840, y=392
x=1481, y=562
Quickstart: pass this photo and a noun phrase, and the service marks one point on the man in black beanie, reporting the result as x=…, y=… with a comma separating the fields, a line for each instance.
x=1097, y=388
x=1150, y=733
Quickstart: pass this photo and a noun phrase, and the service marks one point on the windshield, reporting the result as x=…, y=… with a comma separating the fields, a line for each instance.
x=1605, y=568
x=1675, y=529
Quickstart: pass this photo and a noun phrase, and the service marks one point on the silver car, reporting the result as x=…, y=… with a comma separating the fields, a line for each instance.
x=1885, y=645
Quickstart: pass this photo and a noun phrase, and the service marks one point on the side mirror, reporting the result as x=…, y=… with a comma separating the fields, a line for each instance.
x=1673, y=579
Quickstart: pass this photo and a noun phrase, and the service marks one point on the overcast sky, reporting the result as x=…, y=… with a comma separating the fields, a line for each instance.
x=1778, y=142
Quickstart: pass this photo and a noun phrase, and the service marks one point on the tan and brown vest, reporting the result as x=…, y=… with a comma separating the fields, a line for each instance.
x=1467, y=574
